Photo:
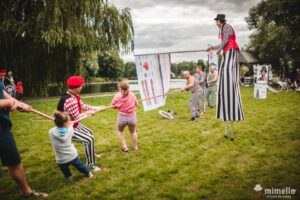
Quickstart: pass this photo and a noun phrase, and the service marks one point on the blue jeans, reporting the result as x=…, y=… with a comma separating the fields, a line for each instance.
x=77, y=163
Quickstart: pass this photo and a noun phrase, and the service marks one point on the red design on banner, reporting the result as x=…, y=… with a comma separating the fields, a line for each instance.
x=146, y=66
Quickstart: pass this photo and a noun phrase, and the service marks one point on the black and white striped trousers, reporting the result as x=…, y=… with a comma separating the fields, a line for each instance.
x=85, y=136
x=229, y=104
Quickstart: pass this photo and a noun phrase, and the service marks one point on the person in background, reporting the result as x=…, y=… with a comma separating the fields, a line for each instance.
x=10, y=85
x=127, y=104
x=10, y=77
x=11, y=89
x=201, y=76
x=65, y=152
x=2, y=76
x=19, y=91
x=212, y=79
x=9, y=153
x=297, y=80
x=192, y=85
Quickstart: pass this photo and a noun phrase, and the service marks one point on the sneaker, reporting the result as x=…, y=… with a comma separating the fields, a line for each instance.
x=125, y=149
x=98, y=155
x=95, y=168
x=90, y=175
x=193, y=119
x=197, y=116
x=35, y=194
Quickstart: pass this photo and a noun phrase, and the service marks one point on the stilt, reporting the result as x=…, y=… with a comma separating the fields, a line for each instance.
x=231, y=133
x=225, y=130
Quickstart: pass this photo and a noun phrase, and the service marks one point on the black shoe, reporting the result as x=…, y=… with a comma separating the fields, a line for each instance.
x=193, y=119
x=232, y=139
x=225, y=136
x=197, y=116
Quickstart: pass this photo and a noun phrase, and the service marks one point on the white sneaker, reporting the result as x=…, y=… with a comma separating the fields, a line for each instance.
x=95, y=168
x=90, y=175
x=98, y=155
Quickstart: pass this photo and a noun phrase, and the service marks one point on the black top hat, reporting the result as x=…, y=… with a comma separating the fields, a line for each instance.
x=221, y=17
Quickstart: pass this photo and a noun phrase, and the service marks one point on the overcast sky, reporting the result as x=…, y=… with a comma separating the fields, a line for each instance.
x=172, y=25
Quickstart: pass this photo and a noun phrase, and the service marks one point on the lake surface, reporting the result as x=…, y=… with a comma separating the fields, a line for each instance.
x=91, y=88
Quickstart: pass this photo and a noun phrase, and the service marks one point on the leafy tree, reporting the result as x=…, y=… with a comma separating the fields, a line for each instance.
x=47, y=41
x=244, y=70
x=177, y=68
x=130, y=70
x=110, y=65
x=276, y=38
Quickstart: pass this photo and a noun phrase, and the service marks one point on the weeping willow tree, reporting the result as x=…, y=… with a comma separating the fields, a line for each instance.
x=45, y=41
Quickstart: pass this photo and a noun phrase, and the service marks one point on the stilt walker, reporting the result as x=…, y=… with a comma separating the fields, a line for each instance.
x=229, y=104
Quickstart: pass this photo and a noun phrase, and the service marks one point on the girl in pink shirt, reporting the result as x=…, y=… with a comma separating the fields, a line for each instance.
x=126, y=103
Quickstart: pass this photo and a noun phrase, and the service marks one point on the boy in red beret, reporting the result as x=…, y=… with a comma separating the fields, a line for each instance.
x=71, y=103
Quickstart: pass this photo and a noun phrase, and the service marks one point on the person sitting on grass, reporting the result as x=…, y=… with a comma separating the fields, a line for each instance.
x=126, y=103
x=65, y=152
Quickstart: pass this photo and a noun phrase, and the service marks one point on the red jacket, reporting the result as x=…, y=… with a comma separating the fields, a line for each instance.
x=20, y=88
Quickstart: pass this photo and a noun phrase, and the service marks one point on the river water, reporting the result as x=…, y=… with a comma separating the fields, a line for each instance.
x=92, y=88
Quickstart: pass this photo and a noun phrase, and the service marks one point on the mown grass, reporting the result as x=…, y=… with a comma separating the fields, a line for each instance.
x=178, y=159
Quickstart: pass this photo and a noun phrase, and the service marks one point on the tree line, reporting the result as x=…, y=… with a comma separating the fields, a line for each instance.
x=44, y=42
x=276, y=36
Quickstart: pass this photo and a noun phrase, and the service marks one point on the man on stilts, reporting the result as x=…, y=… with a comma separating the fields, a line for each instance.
x=71, y=102
x=229, y=104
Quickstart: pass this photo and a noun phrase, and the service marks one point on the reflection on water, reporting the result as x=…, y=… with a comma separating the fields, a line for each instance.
x=113, y=87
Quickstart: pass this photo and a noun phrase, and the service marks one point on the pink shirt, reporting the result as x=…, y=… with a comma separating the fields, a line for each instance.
x=126, y=105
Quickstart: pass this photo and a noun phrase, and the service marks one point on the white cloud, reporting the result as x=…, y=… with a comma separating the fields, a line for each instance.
x=170, y=25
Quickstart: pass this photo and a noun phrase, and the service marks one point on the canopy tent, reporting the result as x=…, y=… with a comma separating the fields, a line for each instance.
x=247, y=57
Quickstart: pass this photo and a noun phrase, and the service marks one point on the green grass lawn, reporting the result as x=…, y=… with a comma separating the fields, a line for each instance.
x=178, y=159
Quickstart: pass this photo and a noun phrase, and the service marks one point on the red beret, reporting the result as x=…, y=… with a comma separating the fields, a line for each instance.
x=75, y=81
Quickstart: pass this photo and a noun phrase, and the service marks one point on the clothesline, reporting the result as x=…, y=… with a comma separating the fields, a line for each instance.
x=174, y=52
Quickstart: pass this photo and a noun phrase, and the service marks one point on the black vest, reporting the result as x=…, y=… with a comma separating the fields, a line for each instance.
x=61, y=103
